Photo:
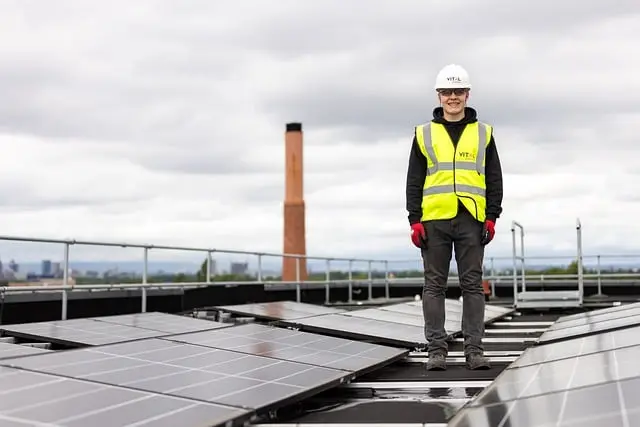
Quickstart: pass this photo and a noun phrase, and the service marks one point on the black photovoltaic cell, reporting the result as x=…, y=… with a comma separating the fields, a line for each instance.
x=581, y=327
x=29, y=398
x=163, y=322
x=361, y=328
x=298, y=346
x=189, y=371
x=78, y=332
x=279, y=310
x=594, y=314
x=16, y=350
x=579, y=346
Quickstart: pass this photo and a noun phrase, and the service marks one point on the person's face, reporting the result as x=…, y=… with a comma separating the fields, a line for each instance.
x=453, y=101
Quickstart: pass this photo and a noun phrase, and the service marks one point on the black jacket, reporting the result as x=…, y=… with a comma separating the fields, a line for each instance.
x=417, y=170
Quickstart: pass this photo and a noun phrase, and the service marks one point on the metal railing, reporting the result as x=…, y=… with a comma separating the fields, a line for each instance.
x=328, y=282
x=145, y=285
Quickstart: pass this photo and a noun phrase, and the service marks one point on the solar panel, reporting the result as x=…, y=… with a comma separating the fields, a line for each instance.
x=585, y=390
x=596, y=318
x=579, y=346
x=607, y=404
x=78, y=332
x=30, y=398
x=454, y=309
x=163, y=322
x=279, y=310
x=364, y=329
x=190, y=371
x=583, y=327
x=599, y=312
x=16, y=350
x=452, y=326
x=305, y=347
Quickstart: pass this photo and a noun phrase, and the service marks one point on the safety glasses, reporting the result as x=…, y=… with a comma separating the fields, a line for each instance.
x=449, y=92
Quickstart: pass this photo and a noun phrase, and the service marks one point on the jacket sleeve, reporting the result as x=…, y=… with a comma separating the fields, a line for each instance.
x=493, y=181
x=416, y=174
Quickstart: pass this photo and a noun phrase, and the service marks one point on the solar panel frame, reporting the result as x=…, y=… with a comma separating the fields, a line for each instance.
x=9, y=351
x=30, y=398
x=279, y=310
x=162, y=322
x=190, y=371
x=299, y=346
x=77, y=332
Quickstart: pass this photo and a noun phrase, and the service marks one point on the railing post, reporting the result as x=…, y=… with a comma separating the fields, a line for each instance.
x=350, y=286
x=327, y=296
x=599, y=278
x=143, y=288
x=580, y=261
x=65, y=281
x=208, y=268
x=298, y=296
x=386, y=279
x=493, y=281
x=370, y=281
x=515, y=224
x=260, y=268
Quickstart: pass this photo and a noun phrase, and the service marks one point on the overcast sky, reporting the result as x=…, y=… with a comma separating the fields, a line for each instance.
x=163, y=121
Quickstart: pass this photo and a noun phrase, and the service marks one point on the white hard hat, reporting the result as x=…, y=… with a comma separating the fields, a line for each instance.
x=452, y=76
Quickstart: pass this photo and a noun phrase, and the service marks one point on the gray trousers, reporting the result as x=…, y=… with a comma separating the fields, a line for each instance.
x=461, y=234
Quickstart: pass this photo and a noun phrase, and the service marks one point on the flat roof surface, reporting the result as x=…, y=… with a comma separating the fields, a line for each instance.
x=280, y=365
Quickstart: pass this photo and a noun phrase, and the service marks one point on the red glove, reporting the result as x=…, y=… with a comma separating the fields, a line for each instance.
x=488, y=231
x=419, y=235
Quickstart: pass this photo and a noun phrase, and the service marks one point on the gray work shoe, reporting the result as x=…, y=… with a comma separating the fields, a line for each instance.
x=437, y=361
x=477, y=361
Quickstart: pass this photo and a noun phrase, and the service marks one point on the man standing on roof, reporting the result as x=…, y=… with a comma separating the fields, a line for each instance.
x=454, y=197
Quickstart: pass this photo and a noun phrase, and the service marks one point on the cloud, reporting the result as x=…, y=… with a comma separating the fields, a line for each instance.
x=164, y=122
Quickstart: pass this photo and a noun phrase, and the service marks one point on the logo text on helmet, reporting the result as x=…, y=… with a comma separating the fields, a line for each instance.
x=454, y=79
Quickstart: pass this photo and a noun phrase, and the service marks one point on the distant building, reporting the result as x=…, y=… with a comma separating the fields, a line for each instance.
x=46, y=267
x=239, y=268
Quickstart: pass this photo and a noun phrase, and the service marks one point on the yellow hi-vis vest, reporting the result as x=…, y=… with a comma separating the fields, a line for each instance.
x=453, y=173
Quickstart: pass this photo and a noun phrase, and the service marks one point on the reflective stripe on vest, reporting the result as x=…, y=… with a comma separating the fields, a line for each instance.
x=443, y=183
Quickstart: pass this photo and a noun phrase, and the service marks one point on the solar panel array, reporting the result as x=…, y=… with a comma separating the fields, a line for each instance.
x=592, y=378
x=31, y=398
x=213, y=376
x=398, y=324
x=108, y=329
